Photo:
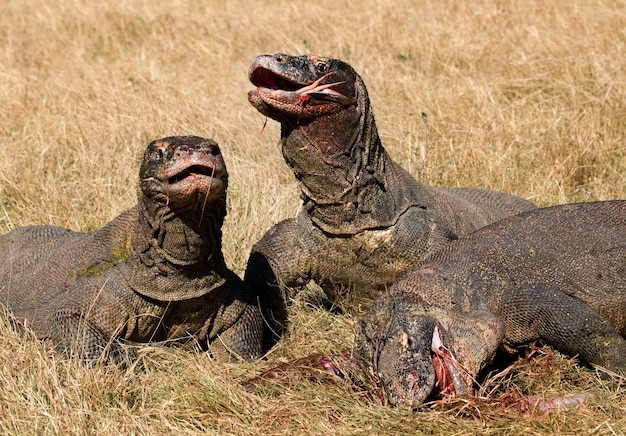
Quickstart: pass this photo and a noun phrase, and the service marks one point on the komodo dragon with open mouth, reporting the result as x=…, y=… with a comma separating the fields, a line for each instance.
x=556, y=274
x=365, y=221
x=154, y=274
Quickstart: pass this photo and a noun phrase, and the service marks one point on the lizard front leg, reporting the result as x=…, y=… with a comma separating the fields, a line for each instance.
x=76, y=337
x=277, y=263
x=567, y=323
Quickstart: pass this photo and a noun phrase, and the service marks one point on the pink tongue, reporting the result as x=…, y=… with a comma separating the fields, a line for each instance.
x=329, y=365
x=444, y=379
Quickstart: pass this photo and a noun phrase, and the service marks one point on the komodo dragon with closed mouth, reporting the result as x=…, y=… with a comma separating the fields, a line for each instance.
x=154, y=274
x=365, y=221
x=556, y=274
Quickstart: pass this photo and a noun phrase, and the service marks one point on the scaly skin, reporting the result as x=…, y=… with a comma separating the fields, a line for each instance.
x=365, y=220
x=556, y=274
x=154, y=274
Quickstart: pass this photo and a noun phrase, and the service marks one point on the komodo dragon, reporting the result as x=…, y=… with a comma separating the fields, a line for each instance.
x=154, y=274
x=365, y=221
x=556, y=274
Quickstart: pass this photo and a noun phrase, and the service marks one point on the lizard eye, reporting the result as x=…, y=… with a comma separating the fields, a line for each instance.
x=321, y=67
x=156, y=150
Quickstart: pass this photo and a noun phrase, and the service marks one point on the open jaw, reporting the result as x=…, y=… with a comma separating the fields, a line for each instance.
x=425, y=374
x=194, y=180
x=280, y=92
x=193, y=170
x=452, y=378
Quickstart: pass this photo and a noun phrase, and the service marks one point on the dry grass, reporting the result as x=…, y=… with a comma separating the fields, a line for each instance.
x=529, y=98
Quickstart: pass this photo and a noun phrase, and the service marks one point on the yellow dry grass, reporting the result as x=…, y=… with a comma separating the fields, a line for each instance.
x=525, y=97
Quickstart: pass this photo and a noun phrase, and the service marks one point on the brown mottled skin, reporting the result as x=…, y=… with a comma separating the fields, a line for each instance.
x=556, y=274
x=154, y=274
x=365, y=221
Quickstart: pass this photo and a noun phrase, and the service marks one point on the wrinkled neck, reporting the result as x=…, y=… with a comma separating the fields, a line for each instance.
x=182, y=238
x=334, y=157
x=348, y=182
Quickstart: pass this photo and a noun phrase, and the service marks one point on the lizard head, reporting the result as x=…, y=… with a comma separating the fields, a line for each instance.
x=183, y=172
x=301, y=86
x=420, y=352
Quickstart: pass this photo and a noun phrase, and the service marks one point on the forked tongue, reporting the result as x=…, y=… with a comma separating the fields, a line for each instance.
x=316, y=88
